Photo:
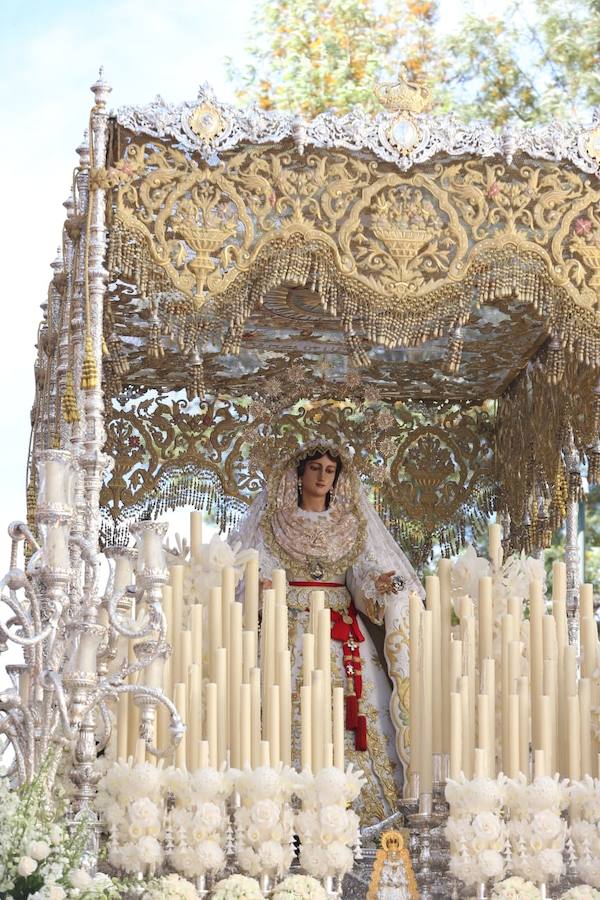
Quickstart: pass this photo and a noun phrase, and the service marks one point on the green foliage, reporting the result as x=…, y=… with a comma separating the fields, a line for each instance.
x=530, y=62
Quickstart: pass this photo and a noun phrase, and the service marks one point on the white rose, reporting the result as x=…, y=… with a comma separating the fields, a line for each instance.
x=185, y=860
x=149, y=850
x=491, y=864
x=330, y=785
x=248, y=860
x=487, y=825
x=220, y=554
x=27, y=866
x=312, y=860
x=271, y=855
x=38, y=850
x=333, y=818
x=551, y=862
x=265, y=814
x=135, y=831
x=80, y=879
x=143, y=812
x=210, y=816
x=548, y=825
x=210, y=856
x=339, y=857
x=55, y=892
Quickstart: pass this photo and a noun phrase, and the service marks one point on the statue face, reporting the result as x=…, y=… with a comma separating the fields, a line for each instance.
x=318, y=477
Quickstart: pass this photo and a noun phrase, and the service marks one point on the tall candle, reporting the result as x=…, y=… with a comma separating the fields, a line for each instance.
x=515, y=609
x=185, y=649
x=338, y=727
x=559, y=581
x=197, y=640
x=227, y=598
x=455, y=664
x=574, y=738
x=507, y=631
x=245, y=705
x=181, y=704
x=524, y=725
x=281, y=628
x=215, y=629
x=274, y=726
x=495, y=544
x=485, y=619
x=248, y=653
x=432, y=601
x=176, y=575
x=317, y=751
x=539, y=764
x=551, y=691
x=212, y=724
x=196, y=536
x=267, y=660
x=195, y=716
x=255, y=715
x=251, y=594
x=536, y=657
x=545, y=726
x=140, y=752
x=483, y=713
x=455, y=735
x=122, y=723
x=415, y=612
x=265, y=753
x=306, y=727
x=585, y=717
x=589, y=647
x=426, y=766
x=308, y=656
x=444, y=575
x=586, y=601
x=549, y=637
x=316, y=601
x=222, y=704
x=489, y=687
x=324, y=664
x=513, y=736
x=204, y=759
x=284, y=680
x=279, y=581
x=467, y=624
x=235, y=680
x=468, y=737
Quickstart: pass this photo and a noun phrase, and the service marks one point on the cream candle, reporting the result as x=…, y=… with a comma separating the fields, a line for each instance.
x=281, y=628
x=255, y=724
x=194, y=717
x=222, y=702
x=488, y=685
x=513, y=736
x=181, y=704
x=485, y=619
x=248, y=653
x=196, y=536
x=545, y=720
x=306, y=727
x=265, y=753
x=524, y=725
x=495, y=544
x=122, y=727
x=140, y=752
x=317, y=751
x=267, y=659
x=468, y=737
x=515, y=609
x=456, y=663
x=432, y=602
x=245, y=705
x=316, y=601
x=586, y=601
x=212, y=723
x=274, y=726
x=483, y=715
x=574, y=739
x=585, y=718
x=415, y=611
x=227, y=598
x=455, y=735
x=215, y=630
x=589, y=647
x=324, y=665
x=197, y=636
x=426, y=765
x=284, y=680
x=308, y=657
x=204, y=759
x=185, y=649
x=444, y=575
x=251, y=587
x=536, y=655
x=176, y=576
x=235, y=680
x=279, y=581
x=338, y=727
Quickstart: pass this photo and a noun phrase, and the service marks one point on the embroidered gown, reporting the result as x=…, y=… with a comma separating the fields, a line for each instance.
x=341, y=551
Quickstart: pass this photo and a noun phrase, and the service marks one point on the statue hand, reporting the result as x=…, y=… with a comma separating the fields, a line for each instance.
x=386, y=583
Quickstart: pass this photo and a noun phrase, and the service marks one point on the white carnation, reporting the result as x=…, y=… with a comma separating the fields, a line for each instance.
x=210, y=856
x=149, y=850
x=264, y=814
x=271, y=855
x=80, y=879
x=339, y=857
x=38, y=850
x=491, y=864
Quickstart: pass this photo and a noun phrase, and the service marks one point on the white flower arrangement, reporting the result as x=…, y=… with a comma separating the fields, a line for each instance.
x=299, y=887
x=465, y=574
x=327, y=829
x=516, y=888
x=265, y=821
x=237, y=887
x=203, y=574
x=536, y=830
x=475, y=829
x=197, y=826
x=131, y=802
x=171, y=887
x=40, y=858
x=581, y=892
x=584, y=810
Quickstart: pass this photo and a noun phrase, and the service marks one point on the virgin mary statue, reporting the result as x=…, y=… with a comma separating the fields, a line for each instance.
x=315, y=521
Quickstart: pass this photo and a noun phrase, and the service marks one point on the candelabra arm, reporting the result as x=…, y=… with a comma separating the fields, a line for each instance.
x=120, y=628
x=102, y=742
x=91, y=557
x=157, y=696
x=7, y=728
x=61, y=702
x=20, y=531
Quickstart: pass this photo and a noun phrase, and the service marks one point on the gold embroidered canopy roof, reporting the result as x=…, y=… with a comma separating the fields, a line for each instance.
x=424, y=291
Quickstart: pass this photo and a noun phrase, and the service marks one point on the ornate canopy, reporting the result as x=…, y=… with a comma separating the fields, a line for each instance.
x=421, y=290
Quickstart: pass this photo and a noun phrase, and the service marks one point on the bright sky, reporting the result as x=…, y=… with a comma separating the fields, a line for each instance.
x=50, y=51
